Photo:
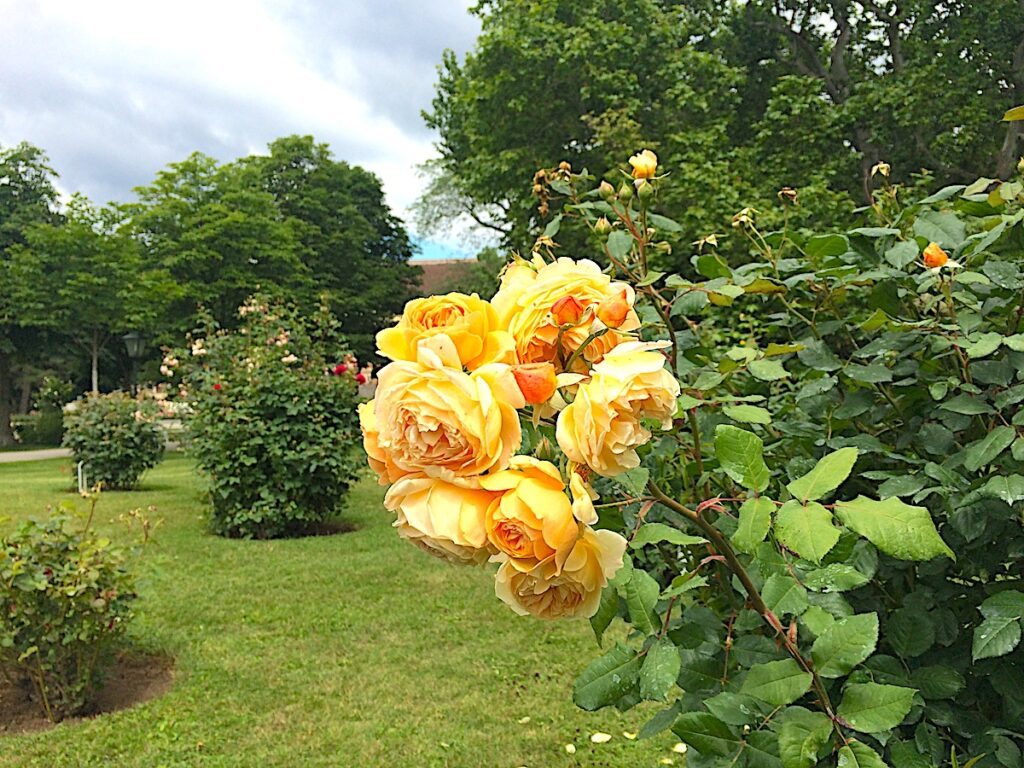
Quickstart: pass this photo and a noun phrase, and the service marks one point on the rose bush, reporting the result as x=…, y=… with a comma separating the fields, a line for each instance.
x=812, y=459
x=271, y=420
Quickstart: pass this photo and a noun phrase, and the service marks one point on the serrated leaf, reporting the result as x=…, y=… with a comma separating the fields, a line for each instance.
x=606, y=611
x=660, y=722
x=942, y=227
x=619, y=243
x=706, y=733
x=635, y=480
x=755, y=520
x=735, y=708
x=1008, y=488
x=983, y=452
x=858, y=755
x=968, y=405
x=982, y=344
x=937, y=682
x=607, y=678
x=783, y=594
x=802, y=734
x=896, y=528
x=683, y=583
x=642, y=593
x=827, y=475
x=777, y=682
x=1008, y=603
x=835, y=577
x=994, y=637
x=873, y=708
x=817, y=355
x=652, y=533
x=740, y=453
x=659, y=671
x=762, y=750
x=806, y=529
x=767, y=370
x=845, y=644
x=751, y=414
x=902, y=253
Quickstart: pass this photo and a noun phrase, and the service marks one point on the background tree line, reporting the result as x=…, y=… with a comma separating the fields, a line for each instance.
x=73, y=277
x=738, y=99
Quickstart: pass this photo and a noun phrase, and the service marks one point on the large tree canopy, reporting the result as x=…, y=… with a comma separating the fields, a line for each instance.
x=738, y=100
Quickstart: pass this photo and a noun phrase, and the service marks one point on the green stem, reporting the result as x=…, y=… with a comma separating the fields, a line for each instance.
x=579, y=350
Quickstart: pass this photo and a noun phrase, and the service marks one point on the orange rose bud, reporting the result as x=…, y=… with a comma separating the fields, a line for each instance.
x=536, y=381
x=567, y=311
x=613, y=310
x=934, y=256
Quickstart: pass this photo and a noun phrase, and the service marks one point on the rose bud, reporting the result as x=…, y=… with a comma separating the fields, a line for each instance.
x=360, y=378
x=340, y=368
x=613, y=310
x=644, y=164
x=537, y=381
x=934, y=256
x=216, y=387
x=567, y=311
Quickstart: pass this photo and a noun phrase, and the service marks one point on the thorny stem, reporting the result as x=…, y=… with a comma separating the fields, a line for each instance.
x=579, y=350
x=726, y=550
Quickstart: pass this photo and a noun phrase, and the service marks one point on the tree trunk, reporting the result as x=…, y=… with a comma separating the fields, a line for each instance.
x=95, y=361
x=6, y=433
x=25, y=402
x=1008, y=156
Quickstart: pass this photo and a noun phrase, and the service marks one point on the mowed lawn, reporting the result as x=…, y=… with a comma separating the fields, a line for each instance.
x=348, y=650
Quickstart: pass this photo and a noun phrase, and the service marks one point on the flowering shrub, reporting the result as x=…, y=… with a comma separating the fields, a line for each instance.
x=811, y=462
x=115, y=435
x=67, y=596
x=271, y=421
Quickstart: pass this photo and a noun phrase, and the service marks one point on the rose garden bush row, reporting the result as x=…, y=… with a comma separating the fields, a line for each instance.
x=811, y=462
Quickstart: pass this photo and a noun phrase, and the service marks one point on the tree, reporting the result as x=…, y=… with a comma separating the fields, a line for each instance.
x=355, y=247
x=84, y=278
x=27, y=197
x=740, y=99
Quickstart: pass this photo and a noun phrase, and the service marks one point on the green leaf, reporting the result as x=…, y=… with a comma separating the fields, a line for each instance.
x=817, y=619
x=762, y=750
x=902, y=253
x=937, y=682
x=751, y=414
x=942, y=227
x=553, y=226
x=663, y=223
x=684, y=583
x=967, y=405
x=784, y=594
x=706, y=733
x=755, y=520
x=817, y=355
x=874, y=231
x=982, y=344
x=835, y=577
x=619, y=243
x=735, y=708
x=802, y=734
x=642, y=593
x=996, y=636
x=650, y=278
x=606, y=611
x=767, y=370
x=806, y=529
x=660, y=670
x=826, y=245
x=652, y=533
x=607, y=679
x=873, y=708
x=777, y=682
x=983, y=452
x=827, y=475
x=897, y=529
x=858, y=755
x=635, y=480
x=740, y=455
x=845, y=644
x=1009, y=603
x=1008, y=488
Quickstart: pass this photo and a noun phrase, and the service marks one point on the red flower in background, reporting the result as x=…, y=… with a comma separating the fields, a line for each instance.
x=340, y=368
x=361, y=378
x=216, y=387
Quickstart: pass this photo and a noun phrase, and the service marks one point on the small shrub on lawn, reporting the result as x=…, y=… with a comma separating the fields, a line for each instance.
x=66, y=596
x=116, y=436
x=271, y=424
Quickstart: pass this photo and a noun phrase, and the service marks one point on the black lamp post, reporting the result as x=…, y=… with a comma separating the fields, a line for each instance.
x=135, y=345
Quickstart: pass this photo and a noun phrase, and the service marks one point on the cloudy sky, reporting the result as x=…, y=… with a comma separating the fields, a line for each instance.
x=114, y=90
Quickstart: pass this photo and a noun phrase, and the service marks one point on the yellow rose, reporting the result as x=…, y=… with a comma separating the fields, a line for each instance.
x=531, y=305
x=445, y=518
x=591, y=431
x=435, y=419
x=634, y=379
x=574, y=590
x=645, y=164
x=534, y=517
x=380, y=461
x=469, y=321
x=583, y=498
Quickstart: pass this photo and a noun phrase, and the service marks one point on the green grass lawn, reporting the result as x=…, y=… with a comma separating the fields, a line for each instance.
x=347, y=650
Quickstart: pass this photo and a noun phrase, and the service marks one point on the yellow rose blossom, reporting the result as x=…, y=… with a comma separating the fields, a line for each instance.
x=590, y=431
x=634, y=378
x=469, y=321
x=573, y=590
x=380, y=461
x=531, y=291
x=537, y=381
x=435, y=419
x=446, y=518
x=934, y=256
x=534, y=517
x=583, y=498
x=645, y=164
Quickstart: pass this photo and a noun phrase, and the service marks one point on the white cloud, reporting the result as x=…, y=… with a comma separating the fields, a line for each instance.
x=114, y=90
